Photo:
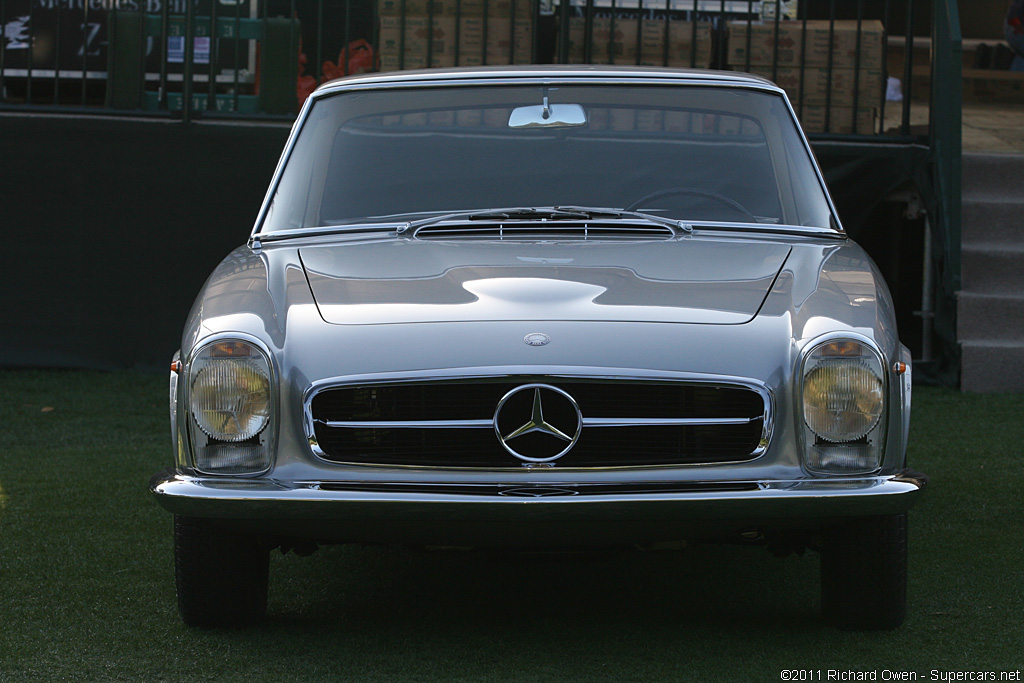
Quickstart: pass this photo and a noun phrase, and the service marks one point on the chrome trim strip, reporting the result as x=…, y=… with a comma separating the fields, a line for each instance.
x=587, y=422
x=410, y=424
x=666, y=421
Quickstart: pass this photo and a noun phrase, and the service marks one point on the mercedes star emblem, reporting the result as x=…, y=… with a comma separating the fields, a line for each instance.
x=537, y=491
x=551, y=426
x=537, y=339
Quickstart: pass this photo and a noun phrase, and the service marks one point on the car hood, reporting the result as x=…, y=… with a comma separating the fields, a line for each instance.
x=684, y=280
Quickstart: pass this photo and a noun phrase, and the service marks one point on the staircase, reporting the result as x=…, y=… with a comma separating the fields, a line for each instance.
x=990, y=313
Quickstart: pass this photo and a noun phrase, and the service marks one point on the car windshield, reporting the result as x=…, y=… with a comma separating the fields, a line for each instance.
x=690, y=153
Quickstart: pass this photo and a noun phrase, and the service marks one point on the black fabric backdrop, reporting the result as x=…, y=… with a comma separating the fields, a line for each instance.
x=110, y=227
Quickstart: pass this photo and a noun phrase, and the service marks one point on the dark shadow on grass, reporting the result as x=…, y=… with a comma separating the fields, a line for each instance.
x=470, y=594
x=391, y=613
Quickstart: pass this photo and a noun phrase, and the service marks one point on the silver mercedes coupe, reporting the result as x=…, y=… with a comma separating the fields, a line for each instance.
x=541, y=308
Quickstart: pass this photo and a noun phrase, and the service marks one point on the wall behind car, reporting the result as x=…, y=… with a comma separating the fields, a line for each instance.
x=111, y=225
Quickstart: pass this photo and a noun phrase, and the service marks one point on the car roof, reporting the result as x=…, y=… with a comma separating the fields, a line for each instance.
x=561, y=73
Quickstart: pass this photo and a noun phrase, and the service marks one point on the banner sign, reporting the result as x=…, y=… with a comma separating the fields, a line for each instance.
x=67, y=38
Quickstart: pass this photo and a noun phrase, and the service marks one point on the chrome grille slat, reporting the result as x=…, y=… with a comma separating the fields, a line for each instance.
x=407, y=424
x=665, y=421
x=488, y=424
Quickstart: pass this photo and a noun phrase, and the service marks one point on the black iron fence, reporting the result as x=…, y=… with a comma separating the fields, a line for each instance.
x=250, y=59
x=848, y=65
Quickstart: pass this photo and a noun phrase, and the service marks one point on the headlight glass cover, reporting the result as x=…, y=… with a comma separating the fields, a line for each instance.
x=230, y=406
x=843, y=404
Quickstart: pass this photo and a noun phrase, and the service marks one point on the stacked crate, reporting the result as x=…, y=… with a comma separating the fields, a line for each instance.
x=827, y=73
x=417, y=34
x=659, y=41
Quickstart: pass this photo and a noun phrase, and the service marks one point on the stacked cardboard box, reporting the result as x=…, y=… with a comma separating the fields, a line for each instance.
x=417, y=34
x=641, y=38
x=810, y=86
x=802, y=67
x=811, y=48
x=816, y=119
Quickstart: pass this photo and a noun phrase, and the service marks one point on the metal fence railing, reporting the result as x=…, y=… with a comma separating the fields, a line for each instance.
x=243, y=59
x=945, y=146
x=261, y=57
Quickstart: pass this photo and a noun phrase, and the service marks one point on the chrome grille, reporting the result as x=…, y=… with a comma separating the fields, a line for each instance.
x=624, y=423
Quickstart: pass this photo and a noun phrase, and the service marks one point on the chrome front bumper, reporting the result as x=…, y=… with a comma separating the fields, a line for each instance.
x=461, y=514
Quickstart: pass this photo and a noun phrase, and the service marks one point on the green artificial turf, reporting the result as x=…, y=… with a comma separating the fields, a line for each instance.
x=86, y=574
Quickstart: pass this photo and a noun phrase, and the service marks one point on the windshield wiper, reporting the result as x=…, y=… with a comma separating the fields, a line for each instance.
x=594, y=213
x=545, y=213
x=293, y=233
x=554, y=213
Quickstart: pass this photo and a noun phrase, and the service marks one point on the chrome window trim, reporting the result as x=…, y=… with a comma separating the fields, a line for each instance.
x=530, y=374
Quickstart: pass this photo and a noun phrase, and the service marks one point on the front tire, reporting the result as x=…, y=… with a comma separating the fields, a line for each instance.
x=864, y=573
x=221, y=577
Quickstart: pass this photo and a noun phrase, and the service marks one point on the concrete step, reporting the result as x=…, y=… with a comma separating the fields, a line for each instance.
x=990, y=85
x=988, y=55
x=993, y=221
x=979, y=86
x=992, y=269
x=992, y=176
x=984, y=70
x=987, y=367
x=990, y=308
x=990, y=318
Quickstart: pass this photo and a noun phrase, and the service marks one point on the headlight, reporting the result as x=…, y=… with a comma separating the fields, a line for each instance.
x=230, y=406
x=843, y=397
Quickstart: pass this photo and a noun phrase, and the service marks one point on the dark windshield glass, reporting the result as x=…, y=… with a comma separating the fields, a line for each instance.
x=691, y=153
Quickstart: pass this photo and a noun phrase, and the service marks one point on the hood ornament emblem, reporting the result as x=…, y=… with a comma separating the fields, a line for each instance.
x=542, y=491
x=540, y=438
x=537, y=339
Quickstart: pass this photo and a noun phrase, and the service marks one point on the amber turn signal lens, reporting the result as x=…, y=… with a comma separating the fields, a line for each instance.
x=231, y=349
x=841, y=349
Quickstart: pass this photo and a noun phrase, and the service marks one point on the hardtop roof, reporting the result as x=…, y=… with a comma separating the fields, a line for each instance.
x=559, y=73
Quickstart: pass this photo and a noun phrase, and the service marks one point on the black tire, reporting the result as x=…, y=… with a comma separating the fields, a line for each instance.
x=864, y=573
x=221, y=577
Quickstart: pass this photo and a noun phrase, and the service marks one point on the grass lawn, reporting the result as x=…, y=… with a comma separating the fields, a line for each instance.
x=86, y=574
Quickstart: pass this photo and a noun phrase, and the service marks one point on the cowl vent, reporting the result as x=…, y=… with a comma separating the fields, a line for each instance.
x=532, y=230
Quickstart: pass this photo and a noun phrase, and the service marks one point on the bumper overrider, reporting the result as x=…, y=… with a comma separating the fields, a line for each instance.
x=549, y=513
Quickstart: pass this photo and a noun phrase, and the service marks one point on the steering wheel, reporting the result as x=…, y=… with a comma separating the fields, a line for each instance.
x=693, y=192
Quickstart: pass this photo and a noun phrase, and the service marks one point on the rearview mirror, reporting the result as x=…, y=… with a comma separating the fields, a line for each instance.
x=548, y=116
